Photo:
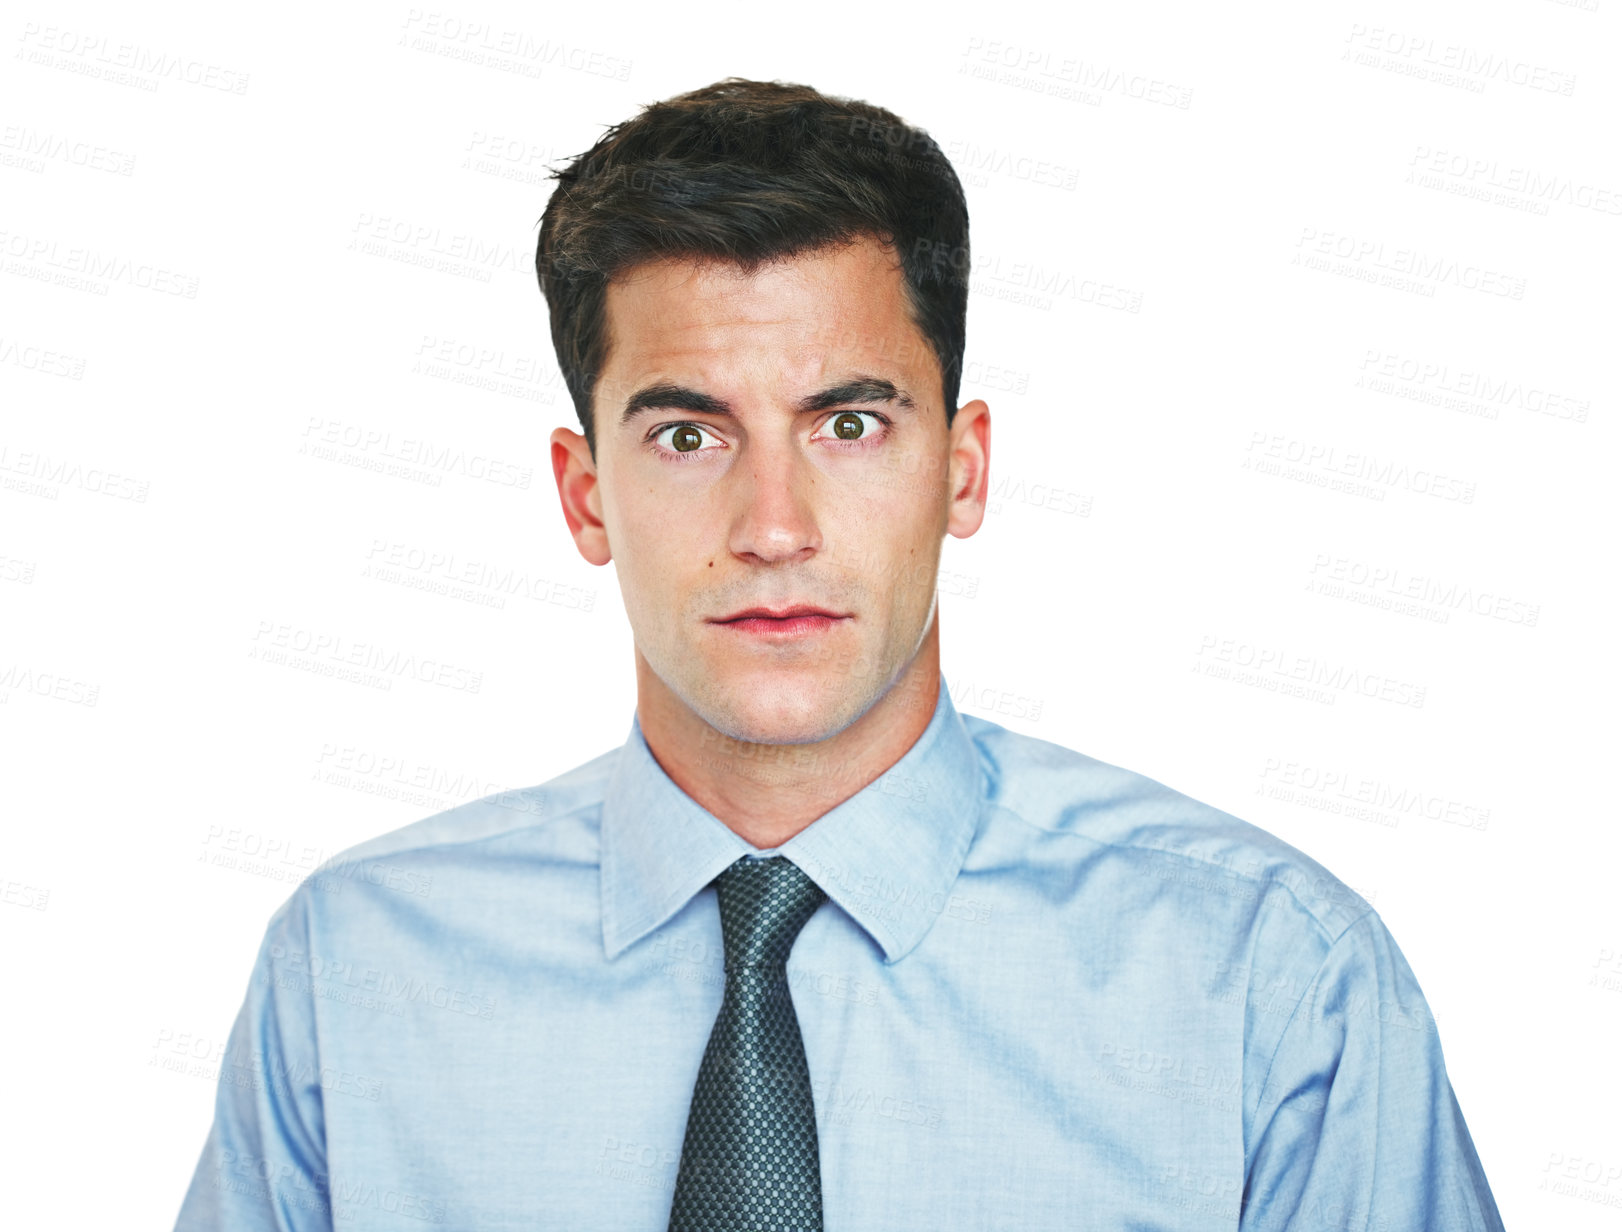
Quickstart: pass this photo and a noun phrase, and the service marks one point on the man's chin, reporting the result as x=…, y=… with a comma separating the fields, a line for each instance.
x=781, y=707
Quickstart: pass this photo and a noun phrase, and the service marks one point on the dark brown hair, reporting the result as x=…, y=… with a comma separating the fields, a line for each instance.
x=750, y=172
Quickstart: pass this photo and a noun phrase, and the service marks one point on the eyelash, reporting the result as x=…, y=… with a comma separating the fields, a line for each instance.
x=866, y=441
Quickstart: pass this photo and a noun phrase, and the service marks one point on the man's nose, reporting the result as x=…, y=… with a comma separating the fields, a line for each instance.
x=775, y=519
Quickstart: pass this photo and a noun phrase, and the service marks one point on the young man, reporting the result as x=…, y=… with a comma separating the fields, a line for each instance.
x=813, y=950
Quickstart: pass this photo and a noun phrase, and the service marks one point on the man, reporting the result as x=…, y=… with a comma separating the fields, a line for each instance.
x=812, y=949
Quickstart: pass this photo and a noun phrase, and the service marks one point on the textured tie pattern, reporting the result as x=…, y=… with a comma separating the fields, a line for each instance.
x=749, y=1162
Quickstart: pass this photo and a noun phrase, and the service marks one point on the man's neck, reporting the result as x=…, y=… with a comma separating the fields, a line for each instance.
x=768, y=793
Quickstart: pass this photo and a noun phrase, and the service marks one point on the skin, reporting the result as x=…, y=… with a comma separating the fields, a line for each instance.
x=769, y=729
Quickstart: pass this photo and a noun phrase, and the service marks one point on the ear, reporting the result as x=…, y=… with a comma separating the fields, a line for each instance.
x=576, y=473
x=968, y=470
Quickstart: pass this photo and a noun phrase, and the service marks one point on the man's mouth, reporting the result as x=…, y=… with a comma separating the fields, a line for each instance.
x=787, y=622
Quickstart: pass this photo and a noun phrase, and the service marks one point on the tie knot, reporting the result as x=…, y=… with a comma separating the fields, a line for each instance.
x=764, y=904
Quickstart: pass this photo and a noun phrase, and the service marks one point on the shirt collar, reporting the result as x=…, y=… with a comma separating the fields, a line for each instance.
x=888, y=855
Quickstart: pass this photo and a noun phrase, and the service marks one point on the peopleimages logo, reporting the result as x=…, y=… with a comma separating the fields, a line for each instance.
x=1387, y=797
x=33, y=149
x=1039, y=69
x=1439, y=383
x=1314, y=248
x=1455, y=58
x=332, y=654
x=38, y=359
x=389, y=985
x=123, y=63
x=1272, y=667
x=330, y=439
x=89, y=270
x=478, y=42
x=1399, y=583
x=1382, y=474
x=1484, y=174
x=47, y=470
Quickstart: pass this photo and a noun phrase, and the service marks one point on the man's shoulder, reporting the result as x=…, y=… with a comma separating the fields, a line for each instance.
x=1124, y=814
x=488, y=817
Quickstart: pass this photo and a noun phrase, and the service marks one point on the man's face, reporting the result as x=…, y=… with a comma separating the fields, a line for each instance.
x=774, y=479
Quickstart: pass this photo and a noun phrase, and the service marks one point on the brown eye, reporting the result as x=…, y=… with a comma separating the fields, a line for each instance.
x=686, y=438
x=848, y=427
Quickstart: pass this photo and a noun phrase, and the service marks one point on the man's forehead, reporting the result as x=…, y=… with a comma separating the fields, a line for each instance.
x=797, y=349
x=724, y=276
x=801, y=318
x=805, y=295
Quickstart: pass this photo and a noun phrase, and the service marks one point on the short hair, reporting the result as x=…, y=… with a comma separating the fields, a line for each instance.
x=751, y=172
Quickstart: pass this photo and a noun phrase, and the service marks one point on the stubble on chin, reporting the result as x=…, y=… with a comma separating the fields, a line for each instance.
x=759, y=707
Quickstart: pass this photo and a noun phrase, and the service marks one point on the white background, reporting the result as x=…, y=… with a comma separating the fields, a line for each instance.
x=1228, y=460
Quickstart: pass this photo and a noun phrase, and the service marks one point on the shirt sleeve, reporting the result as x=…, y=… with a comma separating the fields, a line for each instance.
x=1358, y=1129
x=263, y=1165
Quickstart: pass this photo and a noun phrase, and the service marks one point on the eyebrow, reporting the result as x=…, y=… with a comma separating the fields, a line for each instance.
x=665, y=396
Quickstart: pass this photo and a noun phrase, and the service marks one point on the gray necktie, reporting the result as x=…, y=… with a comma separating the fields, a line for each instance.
x=749, y=1162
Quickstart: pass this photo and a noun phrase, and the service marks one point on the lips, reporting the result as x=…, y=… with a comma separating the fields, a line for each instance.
x=780, y=624
x=787, y=613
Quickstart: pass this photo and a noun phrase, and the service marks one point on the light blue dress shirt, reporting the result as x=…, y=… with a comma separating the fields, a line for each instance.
x=1045, y=993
